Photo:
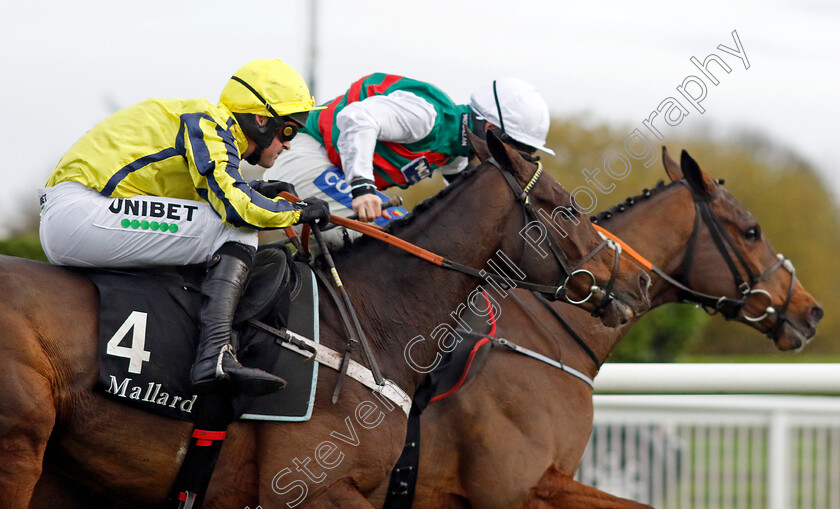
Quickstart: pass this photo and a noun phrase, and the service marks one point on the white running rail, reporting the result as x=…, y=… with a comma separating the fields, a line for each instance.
x=715, y=438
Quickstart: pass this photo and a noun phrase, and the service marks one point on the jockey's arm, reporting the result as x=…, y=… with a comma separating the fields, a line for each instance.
x=401, y=117
x=214, y=168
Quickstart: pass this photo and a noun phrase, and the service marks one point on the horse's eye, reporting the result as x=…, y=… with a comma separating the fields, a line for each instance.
x=752, y=233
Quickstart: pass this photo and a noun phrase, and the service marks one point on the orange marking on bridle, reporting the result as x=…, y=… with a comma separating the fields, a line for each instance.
x=629, y=250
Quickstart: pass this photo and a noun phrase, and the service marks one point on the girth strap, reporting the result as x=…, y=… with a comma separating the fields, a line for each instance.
x=214, y=412
x=332, y=359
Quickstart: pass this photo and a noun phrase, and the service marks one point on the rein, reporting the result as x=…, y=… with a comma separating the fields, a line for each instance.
x=523, y=196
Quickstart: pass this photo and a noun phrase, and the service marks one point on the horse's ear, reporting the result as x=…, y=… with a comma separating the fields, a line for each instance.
x=509, y=158
x=479, y=146
x=498, y=150
x=671, y=167
x=697, y=178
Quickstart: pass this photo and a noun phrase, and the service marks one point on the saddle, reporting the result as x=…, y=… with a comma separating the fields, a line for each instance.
x=149, y=332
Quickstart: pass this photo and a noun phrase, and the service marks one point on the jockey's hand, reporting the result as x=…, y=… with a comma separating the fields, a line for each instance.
x=272, y=188
x=314, y=210
x=369, y=207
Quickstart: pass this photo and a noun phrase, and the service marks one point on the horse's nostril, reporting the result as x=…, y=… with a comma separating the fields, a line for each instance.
x=815, y=315
x=644, y=282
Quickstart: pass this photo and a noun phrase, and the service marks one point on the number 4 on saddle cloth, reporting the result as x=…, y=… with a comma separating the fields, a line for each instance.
x=149, y=332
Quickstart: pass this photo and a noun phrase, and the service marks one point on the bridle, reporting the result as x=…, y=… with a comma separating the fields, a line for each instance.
x=730, y=309
x=504, y=281
x=522, y=195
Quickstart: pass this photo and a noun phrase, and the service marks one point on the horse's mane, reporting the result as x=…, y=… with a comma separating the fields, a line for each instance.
x=629, y=202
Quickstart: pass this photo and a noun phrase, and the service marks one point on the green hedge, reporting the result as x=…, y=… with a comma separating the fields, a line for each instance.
x=26, y=245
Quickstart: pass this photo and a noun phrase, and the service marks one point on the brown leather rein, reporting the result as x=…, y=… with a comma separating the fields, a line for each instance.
x=552, y=292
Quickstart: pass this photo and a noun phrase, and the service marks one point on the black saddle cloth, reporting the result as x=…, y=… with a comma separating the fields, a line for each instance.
x=149, y=333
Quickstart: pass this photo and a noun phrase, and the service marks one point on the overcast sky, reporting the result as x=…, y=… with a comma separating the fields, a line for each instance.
x=67, y=65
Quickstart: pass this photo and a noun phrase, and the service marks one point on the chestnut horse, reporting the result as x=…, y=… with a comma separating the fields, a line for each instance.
x=49, y=318
x=513, y=436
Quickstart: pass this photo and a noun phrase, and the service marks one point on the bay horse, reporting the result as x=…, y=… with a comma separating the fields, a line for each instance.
x=49, y=319
x=514, y=435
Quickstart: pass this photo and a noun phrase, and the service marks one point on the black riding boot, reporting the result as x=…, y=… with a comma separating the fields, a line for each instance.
x=216, y=364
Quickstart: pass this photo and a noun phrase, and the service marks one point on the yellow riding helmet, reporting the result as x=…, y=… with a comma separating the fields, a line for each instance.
x=268, y=87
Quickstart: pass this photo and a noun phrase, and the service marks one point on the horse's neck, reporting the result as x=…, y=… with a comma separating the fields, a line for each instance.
x=400, y=296
x=658, y=228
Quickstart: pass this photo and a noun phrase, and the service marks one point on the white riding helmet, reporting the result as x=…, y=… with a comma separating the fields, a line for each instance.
x=523, y=111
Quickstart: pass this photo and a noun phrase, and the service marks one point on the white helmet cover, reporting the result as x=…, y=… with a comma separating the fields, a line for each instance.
x=524, y=113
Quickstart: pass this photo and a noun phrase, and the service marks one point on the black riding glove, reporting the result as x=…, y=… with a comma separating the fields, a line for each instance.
x=314, y=210
x=272, y=188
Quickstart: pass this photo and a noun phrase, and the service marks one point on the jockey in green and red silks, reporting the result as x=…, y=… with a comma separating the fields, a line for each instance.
x=444, y=143
x=388, y=130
